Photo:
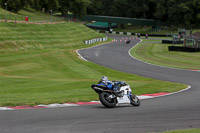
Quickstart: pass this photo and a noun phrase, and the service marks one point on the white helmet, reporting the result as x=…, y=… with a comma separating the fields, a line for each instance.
x=104, y=78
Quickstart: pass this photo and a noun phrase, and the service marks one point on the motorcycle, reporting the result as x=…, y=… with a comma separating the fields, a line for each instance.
x=110, y=98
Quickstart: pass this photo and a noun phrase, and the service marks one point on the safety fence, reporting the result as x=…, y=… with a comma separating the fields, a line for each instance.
x=136, y=34
x=96, y=40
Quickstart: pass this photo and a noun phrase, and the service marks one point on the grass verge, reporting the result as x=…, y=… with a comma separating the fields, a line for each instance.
x=39, y=65
x=185, y=131
x=157, y=53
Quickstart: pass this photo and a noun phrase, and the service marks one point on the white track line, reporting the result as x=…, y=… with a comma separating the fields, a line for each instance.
x=56, y=105
x=6, y=108
x=81, y=57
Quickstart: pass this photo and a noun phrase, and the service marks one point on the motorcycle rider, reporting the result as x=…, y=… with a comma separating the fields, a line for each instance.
x=112, y=85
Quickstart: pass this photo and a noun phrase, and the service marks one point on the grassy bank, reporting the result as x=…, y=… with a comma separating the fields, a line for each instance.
x=39, y=65
x=157, y=53
x=34, y=16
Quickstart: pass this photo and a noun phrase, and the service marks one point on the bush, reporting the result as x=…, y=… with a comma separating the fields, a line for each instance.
x=12, y=5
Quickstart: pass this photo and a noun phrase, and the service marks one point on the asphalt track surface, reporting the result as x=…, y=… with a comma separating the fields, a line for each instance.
x=177, y=111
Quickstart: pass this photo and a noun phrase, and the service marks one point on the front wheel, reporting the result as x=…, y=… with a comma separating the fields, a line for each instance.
x=135, y=101
x=106, y=100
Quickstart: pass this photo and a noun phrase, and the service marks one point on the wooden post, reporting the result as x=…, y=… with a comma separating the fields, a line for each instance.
x=185, y=40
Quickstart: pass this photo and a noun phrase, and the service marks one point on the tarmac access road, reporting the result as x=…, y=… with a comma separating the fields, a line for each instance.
x=177, y=111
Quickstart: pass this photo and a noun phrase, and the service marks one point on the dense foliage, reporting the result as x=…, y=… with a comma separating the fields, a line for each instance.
x=77, y=7
x=13, y=5
x=176, y=12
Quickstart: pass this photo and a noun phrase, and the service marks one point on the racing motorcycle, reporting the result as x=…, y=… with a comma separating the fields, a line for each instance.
x=110, y=98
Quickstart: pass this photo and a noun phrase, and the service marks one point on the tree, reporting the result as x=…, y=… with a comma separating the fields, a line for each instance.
x=95, y=7
x=13, y=6
x=64, y=6
x=121, y=8
x=162, y=10
x=25, y=3
x=16, y=5
x=179, y=12
x=152, y=4
x=52, y=5
x=78, y=7
x=45, y=4
x=107, y=7
x=195, y=5
x=2, y=2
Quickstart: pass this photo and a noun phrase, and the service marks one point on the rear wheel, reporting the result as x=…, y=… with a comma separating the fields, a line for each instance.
x=135, y=101
x=106, y=100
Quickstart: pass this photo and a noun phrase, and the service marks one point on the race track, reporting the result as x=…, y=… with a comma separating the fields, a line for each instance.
x=177, y=111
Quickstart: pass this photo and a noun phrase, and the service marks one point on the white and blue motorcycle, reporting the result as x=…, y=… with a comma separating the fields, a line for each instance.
x=110, y=98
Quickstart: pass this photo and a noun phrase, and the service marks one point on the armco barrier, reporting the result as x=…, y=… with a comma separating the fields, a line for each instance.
x=130, y=33
x=181, y=48
x=96, y=40
x=171, y=42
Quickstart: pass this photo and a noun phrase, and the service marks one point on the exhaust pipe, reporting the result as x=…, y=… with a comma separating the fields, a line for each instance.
x=97, y=88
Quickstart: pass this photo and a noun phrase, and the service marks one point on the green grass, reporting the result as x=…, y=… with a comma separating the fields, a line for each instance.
x=185, y=131
x=157, y=53
x=39, y=65
x=34, y=16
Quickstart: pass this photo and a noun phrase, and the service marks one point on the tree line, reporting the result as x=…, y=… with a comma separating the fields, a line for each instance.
x=174, y=12
x=77, y=7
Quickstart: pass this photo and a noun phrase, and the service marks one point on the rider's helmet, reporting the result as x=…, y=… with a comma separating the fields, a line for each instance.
x=104, y=79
